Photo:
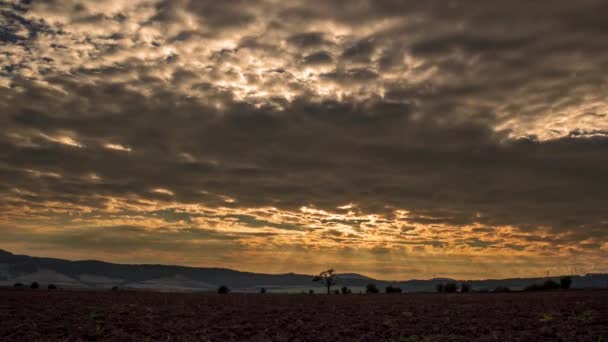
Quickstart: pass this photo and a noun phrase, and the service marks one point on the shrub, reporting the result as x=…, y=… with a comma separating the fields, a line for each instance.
x=34, y=285
x=336, y=291
x=393, y=289
x=450, y=287
x=114, y=288
x=263, y=290
x=223, y=289
x=371, y=288
x=465, y=287
x=565, y=282
x=549, y=284
x=52, y=287
x=440, y=287
x=311, y=292
x=345, y=290
x=18, y=285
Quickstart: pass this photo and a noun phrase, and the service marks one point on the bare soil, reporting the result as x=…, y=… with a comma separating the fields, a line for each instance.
x=41, y=315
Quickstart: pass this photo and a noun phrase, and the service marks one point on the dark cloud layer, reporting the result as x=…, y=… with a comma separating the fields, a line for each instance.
x=460, y=113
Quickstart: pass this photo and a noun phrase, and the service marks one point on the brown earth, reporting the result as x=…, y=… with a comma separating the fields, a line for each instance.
x=41, y=315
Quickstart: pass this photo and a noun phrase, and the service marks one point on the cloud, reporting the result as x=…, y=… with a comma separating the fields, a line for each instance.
x=307, y=39
x=318, y=58
x=464, y=115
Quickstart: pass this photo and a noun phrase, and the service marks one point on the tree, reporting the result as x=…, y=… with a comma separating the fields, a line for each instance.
x=465, y=287
x=440, y=287
x=327, y=278
x=565, y=282
x=263, y=290
x=345, y=290
x=223, y=289
x=52, y=287
x=371, y=288
x=34, y=285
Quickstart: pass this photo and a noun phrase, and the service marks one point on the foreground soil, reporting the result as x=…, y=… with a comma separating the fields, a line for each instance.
x=41, y=315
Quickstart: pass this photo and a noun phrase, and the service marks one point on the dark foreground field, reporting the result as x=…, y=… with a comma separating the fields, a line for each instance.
x=40, y=315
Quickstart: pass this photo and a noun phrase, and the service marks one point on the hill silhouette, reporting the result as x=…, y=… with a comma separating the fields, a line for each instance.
x=99, y=274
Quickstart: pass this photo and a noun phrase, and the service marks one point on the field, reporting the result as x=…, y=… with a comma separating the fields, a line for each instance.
x=41, y=315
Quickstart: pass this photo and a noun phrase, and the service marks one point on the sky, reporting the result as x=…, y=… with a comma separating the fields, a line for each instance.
x=397, y=139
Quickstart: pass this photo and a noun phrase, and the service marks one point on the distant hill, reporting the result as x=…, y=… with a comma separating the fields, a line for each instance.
x=99, y=274
x=353, y=276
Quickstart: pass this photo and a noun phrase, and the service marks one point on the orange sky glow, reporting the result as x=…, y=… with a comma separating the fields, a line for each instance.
x=398, y=140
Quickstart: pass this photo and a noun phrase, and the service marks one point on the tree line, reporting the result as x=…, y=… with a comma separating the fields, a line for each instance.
x=329, y=279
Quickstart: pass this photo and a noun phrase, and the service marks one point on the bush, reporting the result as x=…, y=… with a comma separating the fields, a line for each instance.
x=114, y=288
x=549, y=284
x=311, y=292
x=465, y=287
x=18, y=285
x=34, y=285
x=440, y=287
x=450, y=287
x=393, y=289
x=565, y=282
x=223, y=289
x=371, y=288
x=345, y=290
x=263, y=290
x=52, y=287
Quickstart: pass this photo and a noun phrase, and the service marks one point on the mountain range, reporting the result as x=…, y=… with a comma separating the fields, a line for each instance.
x=96, y=274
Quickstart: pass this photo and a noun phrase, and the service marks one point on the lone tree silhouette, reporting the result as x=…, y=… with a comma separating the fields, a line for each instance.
x=327, y=278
